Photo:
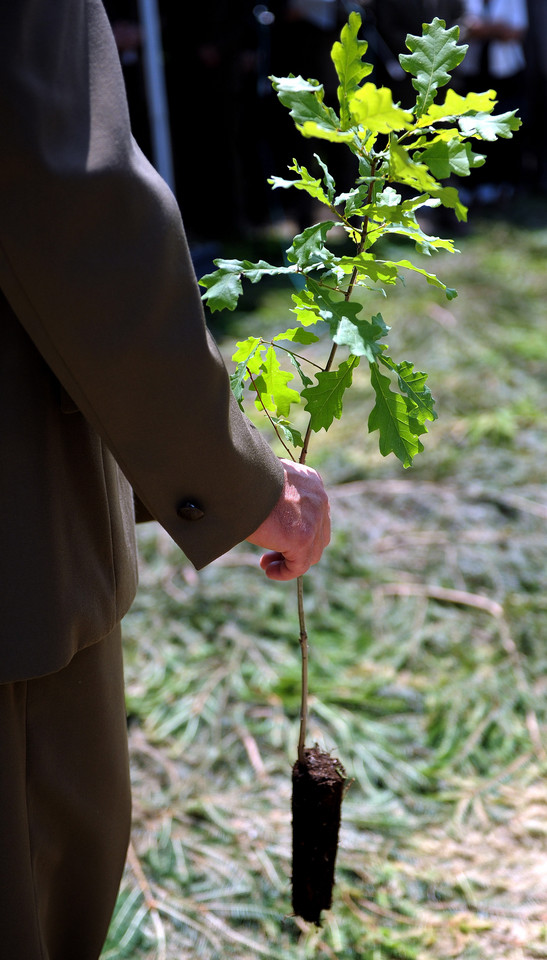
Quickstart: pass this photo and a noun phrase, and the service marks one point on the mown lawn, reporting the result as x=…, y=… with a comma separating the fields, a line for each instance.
x=428, y=673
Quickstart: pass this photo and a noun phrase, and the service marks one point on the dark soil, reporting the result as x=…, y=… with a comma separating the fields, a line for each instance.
x=318, y=787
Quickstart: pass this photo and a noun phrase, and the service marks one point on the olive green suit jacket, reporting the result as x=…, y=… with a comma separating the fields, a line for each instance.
x=108, y=378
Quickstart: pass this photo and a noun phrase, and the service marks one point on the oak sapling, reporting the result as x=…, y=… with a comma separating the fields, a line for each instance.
x=401, y=156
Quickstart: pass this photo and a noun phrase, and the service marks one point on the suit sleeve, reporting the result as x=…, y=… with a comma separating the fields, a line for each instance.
x=94, y=261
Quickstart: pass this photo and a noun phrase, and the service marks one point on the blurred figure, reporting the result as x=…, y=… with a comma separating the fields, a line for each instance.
x=495, y=31
x=210, y=70
x=535, y=131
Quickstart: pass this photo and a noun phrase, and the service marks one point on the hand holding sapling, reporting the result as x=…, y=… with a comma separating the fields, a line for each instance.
x=298, y=529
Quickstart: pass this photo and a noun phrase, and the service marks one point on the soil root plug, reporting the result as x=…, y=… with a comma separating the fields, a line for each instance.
x=318, y=787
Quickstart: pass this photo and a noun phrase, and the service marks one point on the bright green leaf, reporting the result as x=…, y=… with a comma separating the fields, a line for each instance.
x=303, y=376
x=224, y=285
x=224, y=289
x=487, y=127
x=361, y=336
x=430, y=277
x=403, y=169
x=272, y=387
x=323, y=131
x=390, y=417
x=379, y=271
x=456, y=106
x=311, y=185
x=354, y=200
x=328, y=180
x=324, y=400
x=289, y=433
x=413, y=383
x=305, y=308
x=443, y=159
x=432, y=56
x=332, y=310
x=308, y=248
x=304, y=99
x=347, y=55
x=245, y=349
x=297, y=335
x=372, y=107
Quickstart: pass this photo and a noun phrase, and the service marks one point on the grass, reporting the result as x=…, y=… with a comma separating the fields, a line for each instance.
x=428, y=671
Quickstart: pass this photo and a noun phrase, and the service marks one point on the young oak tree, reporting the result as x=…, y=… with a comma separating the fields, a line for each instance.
x=402, y=156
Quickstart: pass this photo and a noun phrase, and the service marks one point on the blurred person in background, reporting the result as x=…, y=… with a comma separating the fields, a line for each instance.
x=495, y=31
x=535, y=130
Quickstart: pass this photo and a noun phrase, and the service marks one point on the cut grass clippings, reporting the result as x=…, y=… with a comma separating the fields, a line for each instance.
x=427, y=619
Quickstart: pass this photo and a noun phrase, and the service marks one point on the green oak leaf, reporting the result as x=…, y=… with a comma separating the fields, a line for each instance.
x=246, y=350
x=224, y=287
x=304, y=100
x=330, y=309
x=354, y=200
x=297, y=335
x=272, y=388
x=389, y=215
x=413, y=383
x=432, y=56
x=290, y=433
x=444, y=158
x=248, y=357
x=324, y=400
x=412, y=229
x=456, y=106
x=323, y=132
x=308, y=248
x=304, y=378
x=379, y=271
x=450, y=293
x=391, y=418
x=403, y=169
x=347, y=55
x=311, y=185
x=322, y=190
x=328, y=179
x=449, y=197
x=488, y=127
x=237, y=380
x=361, y=336
x=305, y=307
x=372, y=107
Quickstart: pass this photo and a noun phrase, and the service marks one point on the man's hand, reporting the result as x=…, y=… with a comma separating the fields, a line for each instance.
x=298, y=528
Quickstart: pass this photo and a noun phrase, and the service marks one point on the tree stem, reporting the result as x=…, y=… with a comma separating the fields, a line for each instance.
x=300, y=580
x=304, y=653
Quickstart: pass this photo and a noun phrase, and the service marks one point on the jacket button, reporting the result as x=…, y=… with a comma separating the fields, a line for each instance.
x=189, y=511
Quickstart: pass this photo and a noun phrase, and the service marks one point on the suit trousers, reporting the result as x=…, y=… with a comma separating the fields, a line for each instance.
x=64, y=806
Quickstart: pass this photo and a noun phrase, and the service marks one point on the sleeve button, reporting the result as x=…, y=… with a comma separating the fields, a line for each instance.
x=189, y=511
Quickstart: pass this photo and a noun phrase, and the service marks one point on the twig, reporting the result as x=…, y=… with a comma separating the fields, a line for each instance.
x=433, y=592
x=304, y=653
x=253, y=753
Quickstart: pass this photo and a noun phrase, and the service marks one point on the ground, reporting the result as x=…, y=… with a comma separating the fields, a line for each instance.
x=428, y=665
